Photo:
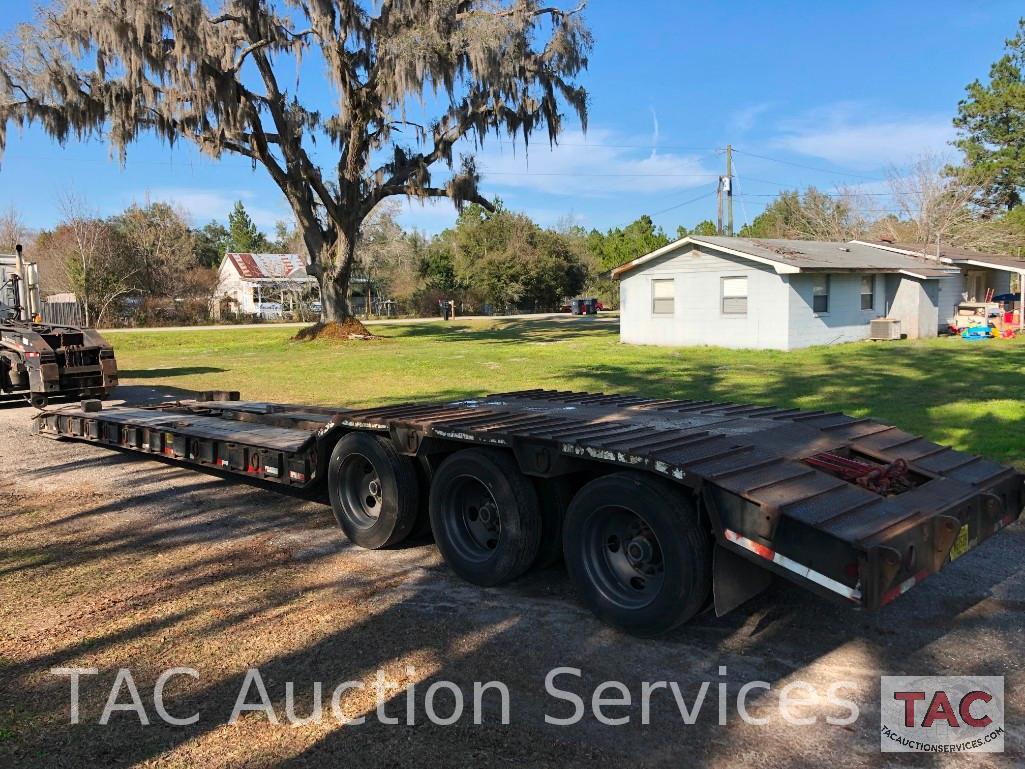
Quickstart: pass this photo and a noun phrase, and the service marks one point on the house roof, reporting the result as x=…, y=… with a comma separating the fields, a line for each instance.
x=790, y=256
x=951, y=255
x=267, y=266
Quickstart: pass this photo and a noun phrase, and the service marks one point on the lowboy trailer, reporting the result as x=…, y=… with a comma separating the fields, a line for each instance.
x=660, y=507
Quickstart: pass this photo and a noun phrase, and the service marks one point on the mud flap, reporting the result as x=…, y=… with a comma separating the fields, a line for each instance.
x=735, y=580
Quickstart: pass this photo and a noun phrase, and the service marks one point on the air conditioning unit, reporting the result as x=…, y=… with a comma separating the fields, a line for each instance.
x=884, y=329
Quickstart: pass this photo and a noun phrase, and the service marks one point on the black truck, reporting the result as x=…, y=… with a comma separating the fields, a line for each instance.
x=660, y=507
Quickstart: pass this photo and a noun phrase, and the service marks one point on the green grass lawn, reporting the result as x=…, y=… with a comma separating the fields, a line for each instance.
x=964, y=394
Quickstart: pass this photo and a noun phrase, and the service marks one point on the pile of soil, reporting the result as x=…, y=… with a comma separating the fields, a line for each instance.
x=348, y=329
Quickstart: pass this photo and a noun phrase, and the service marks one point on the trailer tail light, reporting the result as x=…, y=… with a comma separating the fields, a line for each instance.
x=32, y=355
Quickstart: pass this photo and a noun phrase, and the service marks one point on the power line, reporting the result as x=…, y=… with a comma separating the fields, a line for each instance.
x=810, y=168
x=485, y=172
x=639, y=146
x=684, y=203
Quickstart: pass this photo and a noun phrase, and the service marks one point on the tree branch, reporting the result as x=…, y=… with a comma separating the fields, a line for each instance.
x=433, y=192
x=551, y=10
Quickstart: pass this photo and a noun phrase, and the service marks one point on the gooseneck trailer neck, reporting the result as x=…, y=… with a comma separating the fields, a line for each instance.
x=660, y=507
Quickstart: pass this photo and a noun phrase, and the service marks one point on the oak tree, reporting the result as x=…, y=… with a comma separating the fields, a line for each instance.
x=222, y=79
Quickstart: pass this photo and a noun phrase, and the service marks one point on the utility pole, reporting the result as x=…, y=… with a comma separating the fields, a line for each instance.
x=729, y=190
x=718, y=209
x=726, y=186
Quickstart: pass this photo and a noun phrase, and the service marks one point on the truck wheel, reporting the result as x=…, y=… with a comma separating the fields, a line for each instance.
x=485, y=516
x=373, y=490
x=637, y=553
x=38, y=401
x=554, y=496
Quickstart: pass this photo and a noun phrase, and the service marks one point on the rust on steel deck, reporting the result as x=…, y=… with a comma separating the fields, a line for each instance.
x=754, y=452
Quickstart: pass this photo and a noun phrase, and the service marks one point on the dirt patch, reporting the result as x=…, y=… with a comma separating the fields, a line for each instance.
x=351, y=328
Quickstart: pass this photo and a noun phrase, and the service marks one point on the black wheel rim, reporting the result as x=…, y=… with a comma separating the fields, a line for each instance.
x=475, y=520
x=623, y=558
x=360, y=489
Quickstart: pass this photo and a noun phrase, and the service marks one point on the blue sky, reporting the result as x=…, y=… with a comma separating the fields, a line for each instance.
x=823, y=93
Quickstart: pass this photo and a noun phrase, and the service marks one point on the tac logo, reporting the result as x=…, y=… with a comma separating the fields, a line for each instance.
x=942, y=714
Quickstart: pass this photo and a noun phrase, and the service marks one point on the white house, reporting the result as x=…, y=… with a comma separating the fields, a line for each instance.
x=263, y=284
x=786, y=294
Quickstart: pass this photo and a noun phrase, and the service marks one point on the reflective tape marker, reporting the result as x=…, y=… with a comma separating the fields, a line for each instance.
x=903, y=587
x=769, y=554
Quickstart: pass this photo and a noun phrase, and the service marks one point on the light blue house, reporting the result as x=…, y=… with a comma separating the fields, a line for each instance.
x=786, y=294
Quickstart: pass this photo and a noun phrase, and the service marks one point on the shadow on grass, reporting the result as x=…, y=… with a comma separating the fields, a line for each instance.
x=956, y=395
x=549, y=330
x=162, y=373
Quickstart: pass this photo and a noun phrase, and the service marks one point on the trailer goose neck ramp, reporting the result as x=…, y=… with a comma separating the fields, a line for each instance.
x=847, y=507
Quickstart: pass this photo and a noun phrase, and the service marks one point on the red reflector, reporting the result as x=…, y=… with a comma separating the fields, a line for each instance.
x=851, y=570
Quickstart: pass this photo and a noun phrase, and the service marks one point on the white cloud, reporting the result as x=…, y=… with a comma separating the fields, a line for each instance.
x=202, y=205
x=862, y=136
x=430, y=216
x=601, y=163
x=745, y=118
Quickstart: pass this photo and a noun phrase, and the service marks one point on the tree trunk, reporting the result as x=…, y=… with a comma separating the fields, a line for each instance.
x=334, y=281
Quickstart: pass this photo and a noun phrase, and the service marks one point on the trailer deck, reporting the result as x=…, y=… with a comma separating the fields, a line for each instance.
x=847, y=507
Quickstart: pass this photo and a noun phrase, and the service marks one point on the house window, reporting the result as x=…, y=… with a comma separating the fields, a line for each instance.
x=734, y=296
x=868, y=292
x=663, y=296
x=820, y=293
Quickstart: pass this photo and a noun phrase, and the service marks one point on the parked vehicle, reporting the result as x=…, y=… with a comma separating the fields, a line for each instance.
x=660, y=507
x=43, y=360
x=585, y=306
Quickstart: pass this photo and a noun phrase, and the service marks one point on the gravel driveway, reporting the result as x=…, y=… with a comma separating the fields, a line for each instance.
x=110, y=562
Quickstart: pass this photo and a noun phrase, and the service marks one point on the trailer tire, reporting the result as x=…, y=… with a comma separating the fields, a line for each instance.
x=554, y=496
x=373, y=490
x=38, y=401
x=637, y=553
x=485, y=516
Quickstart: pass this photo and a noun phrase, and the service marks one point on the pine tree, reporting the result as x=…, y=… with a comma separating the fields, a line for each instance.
x=991, y=121
x=245, y=237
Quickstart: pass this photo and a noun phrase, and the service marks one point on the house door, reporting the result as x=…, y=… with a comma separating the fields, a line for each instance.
x=975, y=285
